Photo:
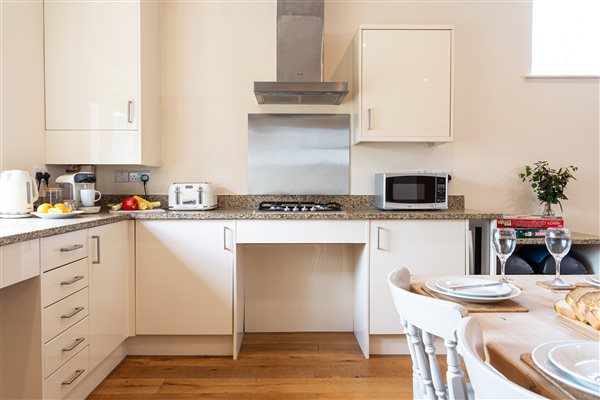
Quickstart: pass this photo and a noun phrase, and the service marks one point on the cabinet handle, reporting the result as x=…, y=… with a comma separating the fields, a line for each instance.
x=71, y=248
x=225, y=229
x=97, y=238
x=72, y=280
x=77, y=342
x=130, y=111
x=369, y=117
x=72, y=313
x=379, y=238
x=72, y=379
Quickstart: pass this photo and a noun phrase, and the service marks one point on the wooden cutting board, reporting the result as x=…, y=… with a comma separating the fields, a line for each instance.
x=501, y=306
x=580, y=327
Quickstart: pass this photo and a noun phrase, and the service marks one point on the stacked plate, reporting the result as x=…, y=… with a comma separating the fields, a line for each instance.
x=594, y=280
x=575, y=363
x=473, y=290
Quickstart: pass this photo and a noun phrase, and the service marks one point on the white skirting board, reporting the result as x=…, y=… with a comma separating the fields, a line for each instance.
x=95, y=377
x=180, y=345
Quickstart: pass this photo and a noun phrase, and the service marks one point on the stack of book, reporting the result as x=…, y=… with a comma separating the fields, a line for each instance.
x=529, y=226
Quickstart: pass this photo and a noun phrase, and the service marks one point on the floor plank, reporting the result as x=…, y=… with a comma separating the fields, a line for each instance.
x=294, y=366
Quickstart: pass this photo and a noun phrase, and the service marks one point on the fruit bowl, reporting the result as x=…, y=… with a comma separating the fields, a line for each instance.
x=57, y=216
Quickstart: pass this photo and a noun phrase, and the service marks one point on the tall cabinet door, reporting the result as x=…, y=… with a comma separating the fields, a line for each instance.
x=110, y=250
x=91, y=64
x=424, y=247
x=406, y=83
x=184, y=277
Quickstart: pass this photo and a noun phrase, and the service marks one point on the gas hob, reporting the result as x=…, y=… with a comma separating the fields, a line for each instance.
x=299, y=207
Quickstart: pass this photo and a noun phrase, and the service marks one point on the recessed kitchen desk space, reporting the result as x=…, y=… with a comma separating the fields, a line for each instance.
x=305, y=300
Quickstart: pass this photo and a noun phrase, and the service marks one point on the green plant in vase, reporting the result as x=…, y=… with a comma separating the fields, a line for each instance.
x=548, y=184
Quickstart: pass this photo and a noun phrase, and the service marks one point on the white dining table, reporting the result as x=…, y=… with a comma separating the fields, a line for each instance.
x=509, y=334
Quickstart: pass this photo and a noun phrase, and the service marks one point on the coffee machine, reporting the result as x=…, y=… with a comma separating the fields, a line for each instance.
x=71, y=184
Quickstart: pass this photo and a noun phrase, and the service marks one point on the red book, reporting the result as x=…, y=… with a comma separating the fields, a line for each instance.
x=529, y=222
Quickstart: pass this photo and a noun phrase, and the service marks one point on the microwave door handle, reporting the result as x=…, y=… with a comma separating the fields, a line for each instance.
x=200, y=195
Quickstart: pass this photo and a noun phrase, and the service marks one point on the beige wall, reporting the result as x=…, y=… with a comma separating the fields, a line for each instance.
x=213, y=51
x=21, y=85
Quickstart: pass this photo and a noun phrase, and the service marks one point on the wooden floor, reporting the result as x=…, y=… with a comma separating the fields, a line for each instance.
x=271, y=366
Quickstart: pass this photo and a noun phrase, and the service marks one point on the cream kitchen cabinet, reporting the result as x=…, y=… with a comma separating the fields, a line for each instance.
x=403, y=83
x=184, y=277
x=424, y=247
x=108, y=288
x=102, y=82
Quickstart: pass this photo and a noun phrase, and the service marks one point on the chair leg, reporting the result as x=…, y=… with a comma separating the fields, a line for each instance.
x=418, y=388
x=415, y=337
x=434, y=366
x=457, y=385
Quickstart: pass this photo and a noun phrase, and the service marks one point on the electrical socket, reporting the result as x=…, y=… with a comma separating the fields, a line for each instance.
x=38, y=168
x=121, y=176
x=135, y=176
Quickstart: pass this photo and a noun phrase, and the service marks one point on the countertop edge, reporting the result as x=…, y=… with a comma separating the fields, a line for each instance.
x=250, y=214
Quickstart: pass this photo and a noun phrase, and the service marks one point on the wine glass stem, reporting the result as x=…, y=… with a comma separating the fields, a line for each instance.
x=502, y=265
x=558, y=260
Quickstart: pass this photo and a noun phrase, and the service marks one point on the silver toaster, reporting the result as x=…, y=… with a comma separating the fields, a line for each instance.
x=192, y=196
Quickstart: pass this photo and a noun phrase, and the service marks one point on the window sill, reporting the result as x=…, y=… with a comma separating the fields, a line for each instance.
x=534, y=76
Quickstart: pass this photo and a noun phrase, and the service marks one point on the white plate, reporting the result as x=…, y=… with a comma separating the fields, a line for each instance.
x=592, y=280
x=13, y=216
x=540, y=358
x=154, y=210
x=57, y=216
x=489, y=291
x=431, y=284
x=580, y=360
x=89, y=210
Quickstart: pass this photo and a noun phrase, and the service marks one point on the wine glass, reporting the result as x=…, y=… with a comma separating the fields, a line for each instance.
x=558, y=242
x=505, y=240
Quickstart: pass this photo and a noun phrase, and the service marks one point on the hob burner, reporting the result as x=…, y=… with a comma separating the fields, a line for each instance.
x=299, y=206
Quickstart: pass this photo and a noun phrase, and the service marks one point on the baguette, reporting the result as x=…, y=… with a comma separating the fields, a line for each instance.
x=586, y=302
x=574, y=295
x=563, y=309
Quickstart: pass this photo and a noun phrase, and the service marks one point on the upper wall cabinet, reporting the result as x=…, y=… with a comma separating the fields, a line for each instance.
x=403, y=83
x=102, y=82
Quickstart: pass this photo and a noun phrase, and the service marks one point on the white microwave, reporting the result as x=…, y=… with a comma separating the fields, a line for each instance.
x=412, y=191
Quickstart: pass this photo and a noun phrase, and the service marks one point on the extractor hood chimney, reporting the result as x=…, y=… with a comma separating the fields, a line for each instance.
x=300, y=58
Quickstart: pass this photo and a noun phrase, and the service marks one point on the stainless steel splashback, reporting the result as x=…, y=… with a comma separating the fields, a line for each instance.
x=298, y=154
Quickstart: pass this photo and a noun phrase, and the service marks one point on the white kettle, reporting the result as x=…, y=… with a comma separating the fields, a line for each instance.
x=17, y=194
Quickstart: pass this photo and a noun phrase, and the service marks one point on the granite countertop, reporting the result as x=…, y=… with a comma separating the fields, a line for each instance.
x=239, y=208
x=22, y=229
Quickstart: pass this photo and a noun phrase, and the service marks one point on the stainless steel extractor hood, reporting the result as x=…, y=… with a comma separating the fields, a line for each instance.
x=300, y=58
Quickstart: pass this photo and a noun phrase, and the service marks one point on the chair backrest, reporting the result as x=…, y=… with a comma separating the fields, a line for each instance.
x=424, y=318
x=486, y=381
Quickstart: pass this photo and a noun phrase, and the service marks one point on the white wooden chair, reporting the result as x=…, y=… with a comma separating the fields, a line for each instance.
x=425, y=318
x=487, y=383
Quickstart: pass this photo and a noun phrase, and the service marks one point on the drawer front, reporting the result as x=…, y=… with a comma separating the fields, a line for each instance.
x=64, y=249
x=63, y=347
x=57, y=385
x=64, y=281
x=19, y=261
x=64, y=314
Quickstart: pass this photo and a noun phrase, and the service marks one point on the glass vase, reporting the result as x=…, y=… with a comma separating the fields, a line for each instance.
x=548, y=210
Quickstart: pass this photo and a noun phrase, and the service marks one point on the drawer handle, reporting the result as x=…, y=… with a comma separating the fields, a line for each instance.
x=72, y=313
x=72, y=379
x=77, y=342
x=73, y=280
x=71, y=248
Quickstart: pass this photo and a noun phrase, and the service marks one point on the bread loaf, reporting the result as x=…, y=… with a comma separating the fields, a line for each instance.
x=564, y=309
x=586, y=302
x=592, y=316
x=574, y=295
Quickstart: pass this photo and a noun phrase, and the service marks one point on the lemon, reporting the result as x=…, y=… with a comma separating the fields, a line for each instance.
x=55, y=211
x=62, y=207
x=43, y=208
